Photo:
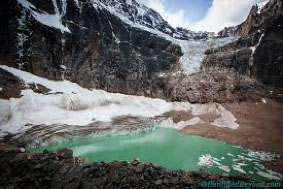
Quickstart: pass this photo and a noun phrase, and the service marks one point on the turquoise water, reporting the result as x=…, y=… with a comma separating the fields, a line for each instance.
x=168, y=148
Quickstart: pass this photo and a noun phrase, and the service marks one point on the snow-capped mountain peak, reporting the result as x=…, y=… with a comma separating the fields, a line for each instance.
x=132, y=12
x=129, y=11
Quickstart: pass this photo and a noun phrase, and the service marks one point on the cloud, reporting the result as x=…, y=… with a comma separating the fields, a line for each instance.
x=224, y=13
x=174, y=18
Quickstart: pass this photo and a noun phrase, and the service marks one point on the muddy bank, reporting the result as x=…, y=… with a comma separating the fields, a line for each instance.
x=261, y=128
x=20, y=169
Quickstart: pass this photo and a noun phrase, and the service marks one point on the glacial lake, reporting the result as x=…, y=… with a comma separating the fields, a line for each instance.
x=171, y=149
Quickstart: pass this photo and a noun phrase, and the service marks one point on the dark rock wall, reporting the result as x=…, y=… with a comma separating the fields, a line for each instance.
x=100, y=52
x=266, y=63
x=268, y=58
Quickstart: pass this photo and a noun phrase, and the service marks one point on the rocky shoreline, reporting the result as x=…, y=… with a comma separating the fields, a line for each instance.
x=21, y=169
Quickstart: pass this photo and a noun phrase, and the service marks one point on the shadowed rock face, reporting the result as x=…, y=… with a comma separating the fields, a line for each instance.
x=268, y=57
x=101, y=51
x=261, y=56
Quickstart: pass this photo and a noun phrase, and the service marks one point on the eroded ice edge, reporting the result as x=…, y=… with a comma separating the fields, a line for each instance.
x=70, y=104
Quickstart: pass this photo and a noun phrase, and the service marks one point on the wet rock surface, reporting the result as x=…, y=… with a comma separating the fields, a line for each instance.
x=61, y=170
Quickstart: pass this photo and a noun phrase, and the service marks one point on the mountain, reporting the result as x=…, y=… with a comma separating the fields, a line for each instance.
x=247, y=69
x=261, y=16
x=123, y=46
x=135, y=13
x=261, y=43
x=114, y=45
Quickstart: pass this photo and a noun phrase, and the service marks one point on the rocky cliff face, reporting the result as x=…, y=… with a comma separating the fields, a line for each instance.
x=261, y=55
x=121, y=46
x=260, y=17
x=249, y=68
x=96, y=44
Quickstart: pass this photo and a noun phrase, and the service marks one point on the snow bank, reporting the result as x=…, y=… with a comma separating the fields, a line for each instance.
x=70, y=104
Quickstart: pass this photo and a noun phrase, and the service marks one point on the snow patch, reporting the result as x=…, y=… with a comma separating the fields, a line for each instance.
x=255, y=47
x=50, y=20
x=261, y=5
x=239, y=169
x=270, y=175
x=206, y=160
x=63, y=67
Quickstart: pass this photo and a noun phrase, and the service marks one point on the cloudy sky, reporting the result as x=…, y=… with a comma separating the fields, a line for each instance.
x=208, y=15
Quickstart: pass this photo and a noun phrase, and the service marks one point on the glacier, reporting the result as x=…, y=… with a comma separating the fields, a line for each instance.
x=68, y=103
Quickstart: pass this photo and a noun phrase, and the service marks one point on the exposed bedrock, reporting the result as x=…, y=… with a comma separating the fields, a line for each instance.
x=267, y=58
x=250, y=68
x=95, y=48
x=101, y=51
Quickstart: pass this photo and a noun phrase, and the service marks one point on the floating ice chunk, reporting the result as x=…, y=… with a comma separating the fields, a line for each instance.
x=229, y=154
x=206, y=161
x=262, y=156
x=239, y=169
x=270, y=175
x=224, y=168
